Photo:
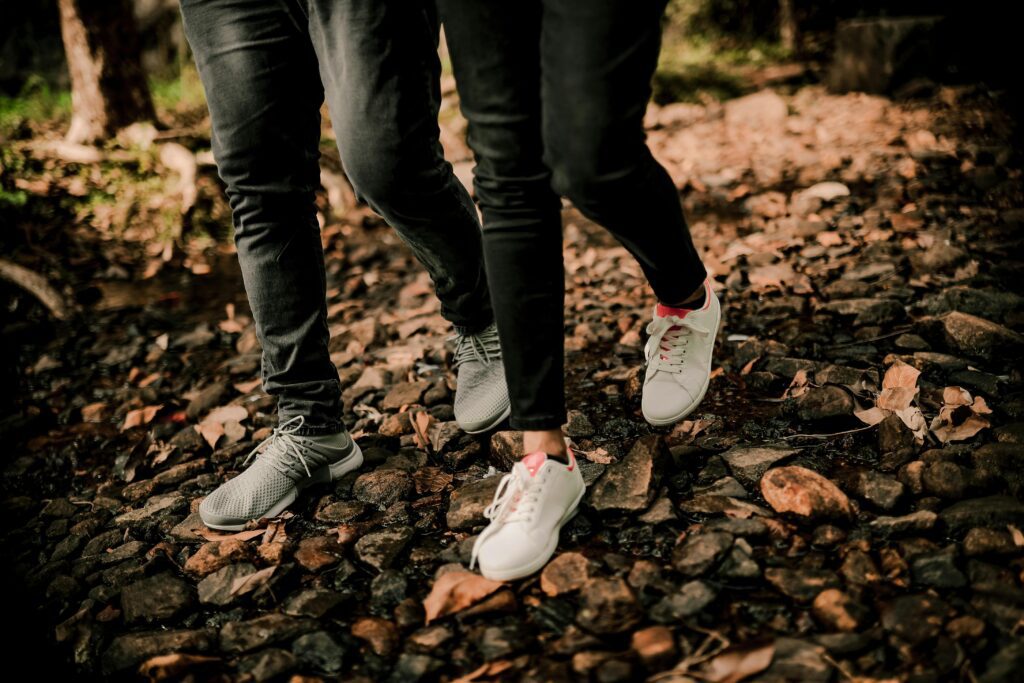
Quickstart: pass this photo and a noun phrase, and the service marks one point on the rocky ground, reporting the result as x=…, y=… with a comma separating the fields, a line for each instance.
x=846, y=505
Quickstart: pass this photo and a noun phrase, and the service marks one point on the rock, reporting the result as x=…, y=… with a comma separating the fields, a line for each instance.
x=993, y=511
x=380, y=548
x=214, y=555
x=940, y=257
x=699, y=552
x=914, y=618
x=466, y=508
x=497, y=642
x=578, y=425
x=798, y=660
x=943, y=479
x=313, y=602
x=748, y=464
x=319, y=651
x=965, y=627
x=1000, y=464
x=506, y=449
x=404, y=394
x=655, y=646
x=738, y=563
x=127, y=651
x=565, y=573
x=607, y=606
x=164, y=504
x=822, y=403
x=982, y=541
x=726, y=486
x=983, y=303
x=341, y=512
x=387, y=590
x=266, y=665
x=661, y=511
x=383, y=487
x=763, y=109
x=691, y=598
x=915, y=522
x=319, y=552
x=630, y=484
x=243, y=636
x=395, y=425
x=937, y=569
x=413, y=668
x=878, y=489
x=1005, y=665
x=981, y=338
x=838, y=611
x=804, y=492
x=159, y=598
x=218, y=587
x=380, y=634
x=800, y=584
x=208, y=397
x=866, y=311
x=893, y=434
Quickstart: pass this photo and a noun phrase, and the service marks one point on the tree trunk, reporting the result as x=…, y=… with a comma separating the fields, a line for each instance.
x=108, y=86
x=787, y=25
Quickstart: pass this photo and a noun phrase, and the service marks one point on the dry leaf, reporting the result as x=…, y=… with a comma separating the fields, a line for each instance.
x=94, y=412
x=247, y=387
x=897, y=398
x=901, y=375
x=455, y=591
x=871, y=416
x=960, y=417
x=227, y=414
x=421, y=423
x=211, y=432
x=799, y=386
x=173, y=666
x=247, y=584
x=140, y=416
x=736, y=664
x=218, y=537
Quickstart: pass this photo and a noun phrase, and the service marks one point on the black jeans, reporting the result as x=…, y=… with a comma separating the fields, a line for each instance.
x=555, y=93
x=265, y=66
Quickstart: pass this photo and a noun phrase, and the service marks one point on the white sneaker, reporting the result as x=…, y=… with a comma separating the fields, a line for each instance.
x=679, y=359
x=531, y=505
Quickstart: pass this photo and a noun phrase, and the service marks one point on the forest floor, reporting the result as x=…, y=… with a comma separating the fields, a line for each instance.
x=846, y=504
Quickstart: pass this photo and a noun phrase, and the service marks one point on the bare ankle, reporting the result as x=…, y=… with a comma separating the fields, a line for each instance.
x=550, y=441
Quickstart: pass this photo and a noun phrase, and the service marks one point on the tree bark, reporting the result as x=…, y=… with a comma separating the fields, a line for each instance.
x=108, y=86
x=787, y=25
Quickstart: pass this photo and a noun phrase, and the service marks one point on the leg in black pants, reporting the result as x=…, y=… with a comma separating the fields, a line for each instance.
x=555, y=92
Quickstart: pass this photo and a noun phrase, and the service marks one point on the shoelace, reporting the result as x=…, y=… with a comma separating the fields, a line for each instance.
x=514, y=500
x=483, y=346
x=669, y=338
x=282, y=448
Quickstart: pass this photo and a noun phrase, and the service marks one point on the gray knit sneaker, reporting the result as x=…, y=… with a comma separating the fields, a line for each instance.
x=285, y=464
x=481, y=395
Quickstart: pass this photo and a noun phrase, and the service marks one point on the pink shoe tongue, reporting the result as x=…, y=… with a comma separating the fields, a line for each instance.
x=665, y=311
x=534, y=461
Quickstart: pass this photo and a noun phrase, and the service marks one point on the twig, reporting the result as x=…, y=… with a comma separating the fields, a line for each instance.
x=828, y=658
x=36, y=285
x=825, y=436
x=880, y=337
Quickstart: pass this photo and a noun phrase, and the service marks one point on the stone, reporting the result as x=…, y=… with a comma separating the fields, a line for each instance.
x=243, y=636
x=607, y=606
x=413, y=668
x=655, y=646
x=981, y=541
x=798, y=660
x=313, y=602
x=748, y=464
x=396, y=424
x=763, y=109
x=937, y=569
x=159, y=598
x=218, y=587
x=631, y=484
x=214, y=555
x=208, y=397
x=943, y=479
x=838, y=611
x=387, y=590
x=691, y=598
x=383, y=487
x=506, y=449
x=129, y=650
x=565, y=573
x=726, y=486
x=825, y=402
x=341, y=511
x=880, y=490
x=164, y=504
x=578, y=425
x=993, y=511
x=266, y=665
x=319, y=552
x=738, y=563
x=380, y=634
x=699, y=552
x=466, y=507
x=381, y=548
x=661, y=511
x=981, y=338
x=319, y=651
x=915, y=522
x=805, y=493
x=1005, y=665
x=800, y=584
x=914, y=618
x=1000, y=464
x=404, y=394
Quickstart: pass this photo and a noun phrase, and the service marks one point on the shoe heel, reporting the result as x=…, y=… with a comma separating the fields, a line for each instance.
x=344, y=466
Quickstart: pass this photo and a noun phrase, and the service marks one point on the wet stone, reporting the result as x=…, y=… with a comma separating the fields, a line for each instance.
x=882, y=491
x=800, y=584
x=219, y=588
x=630, y=484
x=938, y=570
x=466, y=508
x=914, y=618
x=313, y=602
x=158, y=598
x=319, y=651
x=748, y=464
x=698, y=553
x=383, y=487
x=381, y=548
x=243, y=636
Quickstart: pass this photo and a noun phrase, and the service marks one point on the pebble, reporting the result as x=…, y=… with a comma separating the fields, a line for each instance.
x=381, y=548
x=805, y=493
x=630, y=484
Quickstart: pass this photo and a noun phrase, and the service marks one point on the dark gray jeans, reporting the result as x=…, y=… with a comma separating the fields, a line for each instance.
x=266, y=66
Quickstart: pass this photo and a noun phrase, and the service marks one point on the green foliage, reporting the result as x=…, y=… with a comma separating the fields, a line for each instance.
x=37, y=101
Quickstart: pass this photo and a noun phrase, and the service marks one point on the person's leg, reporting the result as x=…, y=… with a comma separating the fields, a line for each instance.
x=260, y=76
x=494, y=48
x=597, y=60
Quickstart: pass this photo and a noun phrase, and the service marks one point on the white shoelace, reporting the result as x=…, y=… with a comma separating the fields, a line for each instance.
x=283, y=448
x=514, y=500
x=669, y=338
x=483, y=346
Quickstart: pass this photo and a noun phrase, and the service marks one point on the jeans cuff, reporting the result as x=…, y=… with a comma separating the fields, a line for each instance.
x=685, y=289
x=466, y=330
x=537, y=423
x=319, y=428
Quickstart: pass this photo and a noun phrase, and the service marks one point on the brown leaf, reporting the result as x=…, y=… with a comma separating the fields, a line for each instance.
x=249, y=583
x=736, y=664
x=94, y=412
x=227, y=414
x=896, y=398
x=211, y=432
x=421, y=423
x=455, y=591
x=900, y=375
x=247, y=387
x=218, y=537
x=871, y=416
x=173, y=666
x=140, y=416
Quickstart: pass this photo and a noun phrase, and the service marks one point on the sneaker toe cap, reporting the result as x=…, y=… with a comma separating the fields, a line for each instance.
x=666, y=401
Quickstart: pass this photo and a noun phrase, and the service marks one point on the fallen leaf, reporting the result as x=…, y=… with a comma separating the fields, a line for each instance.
x=249, y=583
x=871, y=416
x=735, y=664
x=455, y=591
x=94, y=412
x=900, y=375
x=173, y=666
x=224, y=414
x=140, y=416
x=211, y=432
x=219, y=537
x=247, y=387
x=421, y=423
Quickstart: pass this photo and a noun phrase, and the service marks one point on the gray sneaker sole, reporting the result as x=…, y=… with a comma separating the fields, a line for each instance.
x=323, y=475
x=481, y=427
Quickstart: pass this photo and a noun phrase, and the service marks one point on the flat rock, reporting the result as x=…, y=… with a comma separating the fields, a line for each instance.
x=748, y=464
x=805, y=493
x=607, y=606
x=565, y=573
x=166, y=503
x=383, y=487
x=798, y=660
x=800, y=584
x=218, y=587
x=381, y=548
x=129, y=650
x=156, y=599
x=915, y=522
x=214, y=555
x=243, y=636
x=914, y=618
x=630, y=484
x=319, y=652
x=838, y=611
x=981, y=338
x=880, y=490
x=699, y=552
x=466, y=508
x=404, y=394
x=993, y=511
x=690, y=599
x=319, y=552
x=825, y=402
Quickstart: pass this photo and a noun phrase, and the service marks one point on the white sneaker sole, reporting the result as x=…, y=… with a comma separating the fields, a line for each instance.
x=494, y=423
x=538, y=562
x=323, y=475
x=666, y=421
